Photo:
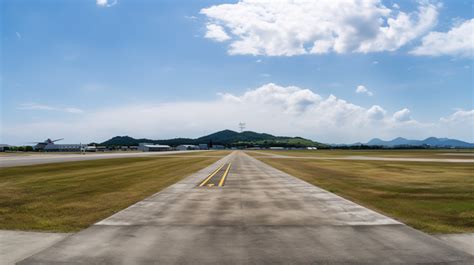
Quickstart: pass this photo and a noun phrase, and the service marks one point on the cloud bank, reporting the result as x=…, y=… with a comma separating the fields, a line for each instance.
x=271, y=108
x=40, y=107
x=286, y=27
x=458, y=41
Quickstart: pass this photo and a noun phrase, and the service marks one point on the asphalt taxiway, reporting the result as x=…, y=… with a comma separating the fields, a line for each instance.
x=35, y=159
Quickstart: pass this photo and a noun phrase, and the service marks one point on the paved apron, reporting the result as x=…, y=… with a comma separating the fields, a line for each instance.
x=261, y=215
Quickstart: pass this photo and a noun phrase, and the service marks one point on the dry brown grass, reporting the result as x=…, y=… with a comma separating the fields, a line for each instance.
x=73, y=195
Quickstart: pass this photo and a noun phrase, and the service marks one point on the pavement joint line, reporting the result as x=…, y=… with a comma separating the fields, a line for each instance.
x=221, y=183
x=210, y=176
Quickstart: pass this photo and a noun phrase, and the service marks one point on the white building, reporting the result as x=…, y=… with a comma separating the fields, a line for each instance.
x=149, y=147
x=187, y=147
x=52, y=147
x=277, y=148
x=203, y=147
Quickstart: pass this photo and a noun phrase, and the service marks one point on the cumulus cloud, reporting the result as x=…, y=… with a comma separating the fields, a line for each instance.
x=106, y=3
x=271, y=108
x=36, y=106
x=286, y=27
x=459, y=122
x=360, y=89
x=216, y=33
x=460, y=116
x=376, y=112
x=402, y=115
x=291, y=99
x=458, y=41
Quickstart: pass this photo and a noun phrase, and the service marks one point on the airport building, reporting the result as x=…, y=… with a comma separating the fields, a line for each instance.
x=52, y=147
x=149, y=147
x=187, y=147
x=277, y=148
x=203, y=147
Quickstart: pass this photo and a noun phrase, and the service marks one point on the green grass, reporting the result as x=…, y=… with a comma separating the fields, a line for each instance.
x=70, y=196
x=414, y=153
x=432, y=197
x=219, y=153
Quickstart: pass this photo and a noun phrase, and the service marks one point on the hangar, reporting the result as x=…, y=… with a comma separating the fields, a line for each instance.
x=187, y=147
x=149, y=147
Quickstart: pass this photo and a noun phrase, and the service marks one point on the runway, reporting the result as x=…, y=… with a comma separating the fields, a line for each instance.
x=35, y=159
x=259, y=215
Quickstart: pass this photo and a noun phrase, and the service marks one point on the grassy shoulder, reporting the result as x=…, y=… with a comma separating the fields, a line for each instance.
x=432, y=197
x=70, y=196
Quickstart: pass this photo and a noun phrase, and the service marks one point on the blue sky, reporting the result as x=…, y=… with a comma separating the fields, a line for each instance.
x=89, y=70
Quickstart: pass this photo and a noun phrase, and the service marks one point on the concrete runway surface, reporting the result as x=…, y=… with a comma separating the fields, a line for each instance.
x=260, y=216
x=18, y=245
x=35, y=159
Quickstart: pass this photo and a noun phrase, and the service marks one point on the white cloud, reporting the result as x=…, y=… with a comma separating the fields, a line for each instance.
x=461, y=123
x=460, y=116
x=216, y=33
x=35, y=106
x=106, y=3
x=290, y=99
x=363, y=90
x=72, y=110
x=376, y=112
x=286, y=27
x=271, y=108
x=458, y=41
x=402, y=115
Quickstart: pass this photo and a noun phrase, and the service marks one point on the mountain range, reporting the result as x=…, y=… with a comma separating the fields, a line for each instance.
x=431, y=142
x=225, y=137
x=248, y=138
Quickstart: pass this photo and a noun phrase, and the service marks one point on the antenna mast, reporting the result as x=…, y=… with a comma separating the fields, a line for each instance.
x=242, y=126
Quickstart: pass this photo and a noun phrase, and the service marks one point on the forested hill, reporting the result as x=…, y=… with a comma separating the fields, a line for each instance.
x=225, y=137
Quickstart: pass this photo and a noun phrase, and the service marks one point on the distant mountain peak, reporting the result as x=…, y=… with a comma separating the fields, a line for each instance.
x=399, y=139
x=430, y=141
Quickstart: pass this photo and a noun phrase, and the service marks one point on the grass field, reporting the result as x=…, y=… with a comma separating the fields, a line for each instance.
x=422, y=153
x=67, y=197
x=202, y=153
x=433, y=197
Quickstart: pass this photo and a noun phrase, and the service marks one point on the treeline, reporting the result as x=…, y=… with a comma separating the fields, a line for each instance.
x=26, y=148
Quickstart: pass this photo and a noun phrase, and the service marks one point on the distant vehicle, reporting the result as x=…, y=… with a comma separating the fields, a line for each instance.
x=50, y=146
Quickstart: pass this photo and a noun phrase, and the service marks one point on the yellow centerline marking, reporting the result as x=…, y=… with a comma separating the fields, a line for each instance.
x=210, y=176
x=224, y=176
